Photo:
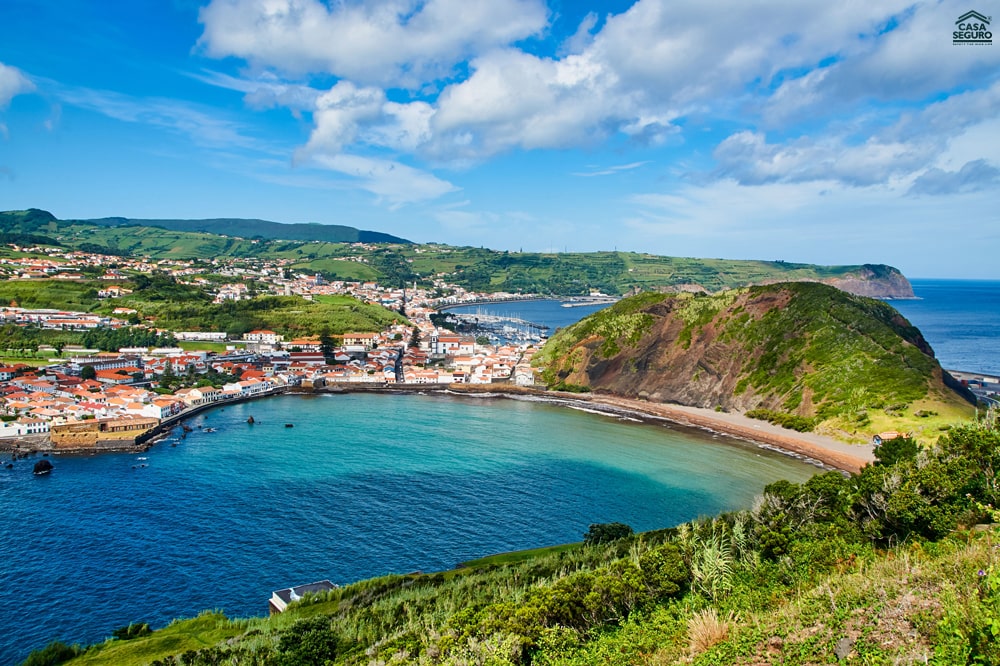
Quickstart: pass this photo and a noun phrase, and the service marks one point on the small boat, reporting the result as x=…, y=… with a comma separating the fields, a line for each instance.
x=209, y=430
x=289, y=425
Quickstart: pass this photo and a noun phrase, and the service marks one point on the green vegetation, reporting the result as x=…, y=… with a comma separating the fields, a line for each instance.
x=57, y=294
x=180, y=307
x=624, y=322
x=880, y=566
x=783, y=419
x=328, y=249
x=606, y=533
x=52, y=654
x=803, y=355
x=259, y=229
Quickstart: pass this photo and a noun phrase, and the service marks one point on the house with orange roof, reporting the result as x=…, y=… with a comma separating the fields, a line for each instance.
x=263, y=336
x=113, y=377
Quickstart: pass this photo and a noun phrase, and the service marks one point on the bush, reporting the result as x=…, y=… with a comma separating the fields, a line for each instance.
x=605, y=532
x=790, y=421
x=132, y=631
x=52, y=654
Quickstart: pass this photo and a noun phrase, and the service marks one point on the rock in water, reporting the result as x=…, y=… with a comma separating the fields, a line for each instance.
x=42, y=467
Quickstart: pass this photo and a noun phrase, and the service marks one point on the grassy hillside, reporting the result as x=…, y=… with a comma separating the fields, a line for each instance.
x=840, y=362
x=179, y=307
x=252, y=228
x=313, y=249
x=877, y=568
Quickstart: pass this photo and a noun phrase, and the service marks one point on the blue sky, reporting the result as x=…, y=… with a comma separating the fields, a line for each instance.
x=832, y=133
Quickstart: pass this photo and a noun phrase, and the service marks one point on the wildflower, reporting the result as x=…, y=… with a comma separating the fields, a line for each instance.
x=980, y=573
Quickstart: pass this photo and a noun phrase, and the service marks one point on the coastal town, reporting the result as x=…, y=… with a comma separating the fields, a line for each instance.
x=117, y=396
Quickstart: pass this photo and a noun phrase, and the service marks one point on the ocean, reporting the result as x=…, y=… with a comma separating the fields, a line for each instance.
x=960, y=319
x=361, y=485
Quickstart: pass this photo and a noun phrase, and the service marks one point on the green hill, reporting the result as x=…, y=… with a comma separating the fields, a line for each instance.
x=846, y=364
x=252, y=228
x=327, y=249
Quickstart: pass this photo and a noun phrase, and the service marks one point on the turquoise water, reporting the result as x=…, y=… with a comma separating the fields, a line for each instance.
x=362, y=485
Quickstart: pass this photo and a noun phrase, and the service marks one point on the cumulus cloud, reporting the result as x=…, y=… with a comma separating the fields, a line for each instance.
x=387, y=42
x=749, y=159
x=972, y=177
x=830, y=91
x=902, y=149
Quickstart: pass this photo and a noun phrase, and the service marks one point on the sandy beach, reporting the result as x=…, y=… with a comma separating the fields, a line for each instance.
x=831, y=452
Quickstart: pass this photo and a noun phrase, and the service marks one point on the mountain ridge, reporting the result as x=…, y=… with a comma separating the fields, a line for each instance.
x=254, y=227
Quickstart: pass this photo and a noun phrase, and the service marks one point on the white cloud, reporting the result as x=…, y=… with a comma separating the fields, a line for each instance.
x=13, y=82
x=972, y=177
x=202, y=124
x=915, y=142
x=819, y=92
x=265, y=91
x=339, y=114
x=391, y=181
x=347, y=114
x=388, y=42
x=608, y=171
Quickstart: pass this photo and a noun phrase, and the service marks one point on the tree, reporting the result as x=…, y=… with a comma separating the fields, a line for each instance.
x=895, y=450
x=605, y=532
x=326, y=347
x=87, y=372
x=415, y=337
x=482, y=340
x=168, y=377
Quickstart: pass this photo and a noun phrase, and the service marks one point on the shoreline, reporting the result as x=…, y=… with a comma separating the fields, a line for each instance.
x=811, y=447
x=817, y=449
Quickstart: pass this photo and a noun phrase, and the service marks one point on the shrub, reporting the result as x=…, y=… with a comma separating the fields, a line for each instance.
x=52, y=654
x=605, y=532
x=705, y=629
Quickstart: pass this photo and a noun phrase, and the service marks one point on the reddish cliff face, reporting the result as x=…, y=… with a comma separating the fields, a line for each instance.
x=874, y=284
x=804, y=348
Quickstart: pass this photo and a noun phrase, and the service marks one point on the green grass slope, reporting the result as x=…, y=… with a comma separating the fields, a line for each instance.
x=805, y=349
x=253, y=228
x=394, y=262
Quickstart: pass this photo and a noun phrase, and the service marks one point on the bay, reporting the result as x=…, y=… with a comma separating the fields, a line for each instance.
x=362, y=485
